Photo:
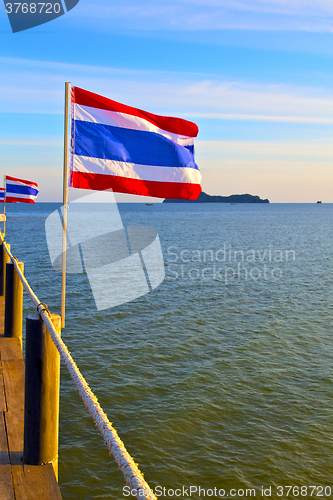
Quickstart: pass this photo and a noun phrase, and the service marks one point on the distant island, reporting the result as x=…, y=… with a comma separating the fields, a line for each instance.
x=234, y=198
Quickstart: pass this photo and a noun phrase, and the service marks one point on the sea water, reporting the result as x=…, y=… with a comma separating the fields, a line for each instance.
x=220, y=378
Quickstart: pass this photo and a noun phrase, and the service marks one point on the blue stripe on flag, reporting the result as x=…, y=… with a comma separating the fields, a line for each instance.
x=17, y=189
x=133, y=146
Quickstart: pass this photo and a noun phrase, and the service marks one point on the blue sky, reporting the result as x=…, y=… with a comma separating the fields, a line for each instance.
x=255, y=75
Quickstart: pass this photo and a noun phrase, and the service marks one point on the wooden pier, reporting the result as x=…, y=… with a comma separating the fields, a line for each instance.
x=29, y=396
x=18, y=481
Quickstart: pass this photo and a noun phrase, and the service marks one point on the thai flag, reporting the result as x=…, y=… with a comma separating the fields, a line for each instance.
x=130, y=150
x=2, y=195
x=20, y=191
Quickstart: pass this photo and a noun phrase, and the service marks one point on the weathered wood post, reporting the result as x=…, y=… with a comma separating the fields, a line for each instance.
x=42, y=384
x=13, y=302
x=2, y=292
x=4, y=258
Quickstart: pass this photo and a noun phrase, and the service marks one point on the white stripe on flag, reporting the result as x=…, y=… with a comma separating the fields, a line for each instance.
x=133, y=171
x=18, y=183
x=23, y=196
x=122, y=120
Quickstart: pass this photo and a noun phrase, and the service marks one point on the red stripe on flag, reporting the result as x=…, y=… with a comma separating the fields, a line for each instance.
x=167, y=123
x=100, y=182
x=13, y=199
x=29, y=183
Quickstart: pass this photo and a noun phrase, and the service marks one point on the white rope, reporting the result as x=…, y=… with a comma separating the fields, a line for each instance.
x=133, y=477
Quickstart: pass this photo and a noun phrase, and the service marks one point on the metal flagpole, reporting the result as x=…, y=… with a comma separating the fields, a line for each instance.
x=65, y=201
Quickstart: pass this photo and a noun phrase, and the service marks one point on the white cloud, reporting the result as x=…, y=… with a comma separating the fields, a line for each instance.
x=197, y=15
x=267, y=118
x=33, y=142
x=286, y=7
x=38, y=87
x=277, y=170
x=182, y=15
x=318, y=150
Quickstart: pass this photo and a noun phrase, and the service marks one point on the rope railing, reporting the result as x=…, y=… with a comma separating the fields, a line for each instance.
x=133, y=477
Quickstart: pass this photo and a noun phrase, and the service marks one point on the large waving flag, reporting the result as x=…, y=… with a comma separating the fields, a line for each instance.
x=130, y=150
x=20, y=190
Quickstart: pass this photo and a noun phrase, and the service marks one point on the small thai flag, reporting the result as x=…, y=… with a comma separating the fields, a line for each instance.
x=20, y=190
x=2, y=195
x=130, y=150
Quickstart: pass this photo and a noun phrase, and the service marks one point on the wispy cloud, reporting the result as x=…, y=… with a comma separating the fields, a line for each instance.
x=259, y=167
x=296, y=7
x=33, y=142
x=304, y=15
x=213, y=152
x=38, y=87
x=267, y=118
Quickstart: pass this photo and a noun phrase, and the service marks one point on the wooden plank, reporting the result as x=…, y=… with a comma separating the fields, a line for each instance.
x=3, y=405
x=6, y=481
x=15, y=429
x=35, y=482
x=4, y=456
x=18, y=481
x=10, y=349
x=13, y=376
x=2, y=312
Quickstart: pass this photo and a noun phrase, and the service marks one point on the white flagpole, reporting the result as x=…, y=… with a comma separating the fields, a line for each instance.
x=65, y=201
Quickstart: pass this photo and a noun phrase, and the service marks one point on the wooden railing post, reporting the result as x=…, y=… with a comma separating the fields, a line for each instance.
x=42, y=384
x=4, y=258
x=13, y=302
x=2, y=292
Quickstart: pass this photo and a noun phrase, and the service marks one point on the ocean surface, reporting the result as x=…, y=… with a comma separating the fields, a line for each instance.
x=219, y=378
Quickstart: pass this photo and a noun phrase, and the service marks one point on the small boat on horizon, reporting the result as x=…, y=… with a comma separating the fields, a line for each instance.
x=318, y=201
